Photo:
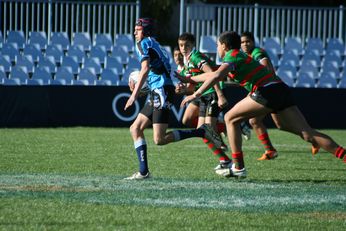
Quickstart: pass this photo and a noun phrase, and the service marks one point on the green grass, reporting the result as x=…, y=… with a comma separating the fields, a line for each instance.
x=72, y=179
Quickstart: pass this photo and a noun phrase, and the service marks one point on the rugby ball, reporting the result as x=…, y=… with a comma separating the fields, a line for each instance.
x=134, y=77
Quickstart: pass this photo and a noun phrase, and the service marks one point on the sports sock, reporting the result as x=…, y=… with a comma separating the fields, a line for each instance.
x=185, y=134
x=238, y=160
x=141, y=149
x=340, y=153
x=216, y=151
x=265, y=140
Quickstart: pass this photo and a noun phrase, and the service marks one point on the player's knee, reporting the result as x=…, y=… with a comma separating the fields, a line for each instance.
x=253, y=122
x=134, y=130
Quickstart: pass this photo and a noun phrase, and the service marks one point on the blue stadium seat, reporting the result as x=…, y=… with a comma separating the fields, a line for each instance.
x=78, y=52
x=290, y=57
x=34, y=51
x=305, y=80
x=109, y=76
x=72, y=62
x=273, y=58
x=314, y=45
x=5, y=62
x=21, y=73
x=342, y=82
x=38, y=38
x=327, y=81
x=333, y=56
x=273, y=44
x=64, y=75
x=168, y=50
x=17, y=37
x=56, y=51
x=294, y=44
x=335, y=44
x=11, y=82
x=1, y=39
x=87, y=76
x=82, y=39
x=133, y=63
x=26, y=61
x=126, y=40
x=2, y=74
x=125, y=78
x=287, y=76
x=43, y=74
x=60, y=38
x=104, y=40
x=49, y=62
x=99, y=52
x=207, y=45
x=332, y=68
x=112, y=62
x=310, y=67
x=12, y=50
x=120, y=53
x=287, y=67
x=95, y=63
x=312, y=57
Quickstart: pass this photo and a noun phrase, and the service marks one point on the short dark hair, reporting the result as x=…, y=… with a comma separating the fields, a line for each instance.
x=249, y=35
x=187, y=37
x=231, y=39
x=176, y=48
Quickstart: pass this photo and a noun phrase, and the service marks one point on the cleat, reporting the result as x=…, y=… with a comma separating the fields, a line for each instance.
x=269, y=155
x=224, y=168
x=314, y=150
x=211, y=135
x=138, y=176
x=245, y=130
x=240, y=173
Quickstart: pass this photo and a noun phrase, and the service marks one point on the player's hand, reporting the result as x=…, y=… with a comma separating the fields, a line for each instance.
x=222, y=101
x=131, y=85
x=129, y=103
x=180, y=88
x=183, y=79
x=187, y=100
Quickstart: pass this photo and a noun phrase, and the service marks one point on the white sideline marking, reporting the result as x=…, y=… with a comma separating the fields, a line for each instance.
x=222, y=194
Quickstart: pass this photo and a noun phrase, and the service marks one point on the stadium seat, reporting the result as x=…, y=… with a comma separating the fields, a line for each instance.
x=273, y=44
x=5, y=62
x=109, y=76
x=327, y=81
x=34, y=51
x=64, y=75
x=87, y=77
x=82, y=39
x=99, y=52
x=43, y=74
x=168, y=50
x=56, y=51
x=104, y=40
x=333, y=56
x=342, y=82
x=2, y=74
x=314, y=44
x=112, y=62
x=38, y=38
x=11, y=82
x=78, y=52
x=120, y=53
x=273, y=58
x=287, y=67
x=207, y=45
x=49, y=62
x=10, y=49
x=290, y=57
x=310, y=67
x=71, y=61
x=294, y=44
x=305, y=80
x=312, y=57
x=331, y=67
x=335, y=44
x=125, y=40
x=21, y=73
x=1, y=39
x=287, y=76
x=17, y=37
x=125, y=77
x=95, y=63
x=133, y=63
x=60, y=38
x=26, y=61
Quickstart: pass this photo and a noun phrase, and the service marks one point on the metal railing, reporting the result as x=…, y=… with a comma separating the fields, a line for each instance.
x=68, y=16
x=264, y=21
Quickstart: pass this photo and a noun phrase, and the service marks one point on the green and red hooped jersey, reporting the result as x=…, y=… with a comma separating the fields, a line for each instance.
x=194, y=66
x=248, y=72
x=258, y=54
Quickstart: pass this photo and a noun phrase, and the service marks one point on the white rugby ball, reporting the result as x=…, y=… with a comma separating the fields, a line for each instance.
x=134, y=77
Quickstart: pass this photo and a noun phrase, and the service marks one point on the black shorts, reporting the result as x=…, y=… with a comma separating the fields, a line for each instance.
x=208, y=106
x=276, y=96
x=158, y=106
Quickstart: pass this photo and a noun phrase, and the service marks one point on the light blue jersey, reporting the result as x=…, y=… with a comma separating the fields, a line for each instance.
x=159, y=74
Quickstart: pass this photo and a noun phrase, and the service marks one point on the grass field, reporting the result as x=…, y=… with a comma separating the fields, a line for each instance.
x=72, y=179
